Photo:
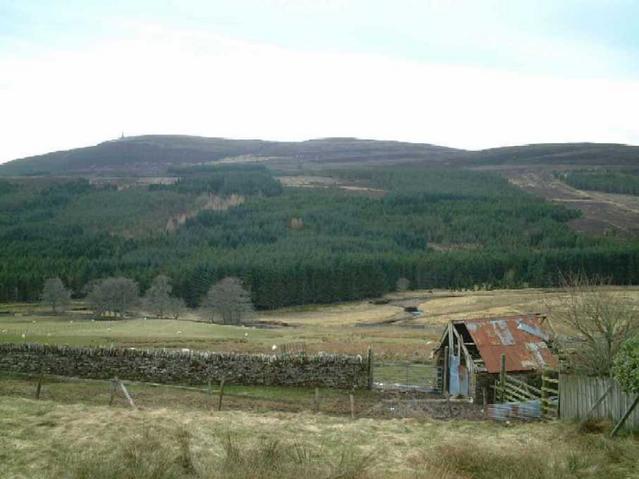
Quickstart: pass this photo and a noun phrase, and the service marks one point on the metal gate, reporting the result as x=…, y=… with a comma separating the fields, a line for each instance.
x=405, y=375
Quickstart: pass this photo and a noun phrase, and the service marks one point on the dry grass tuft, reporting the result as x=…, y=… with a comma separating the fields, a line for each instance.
x=273, y=459
x=594, y=426
x=467, y=460
x=146, y=456
x=591, y=456
x=143, y=456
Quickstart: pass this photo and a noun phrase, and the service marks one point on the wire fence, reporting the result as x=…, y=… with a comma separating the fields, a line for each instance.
x=405, y=375
x=215, y=397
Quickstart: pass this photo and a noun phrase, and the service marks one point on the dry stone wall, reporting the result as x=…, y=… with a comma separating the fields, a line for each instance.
x=171, y=367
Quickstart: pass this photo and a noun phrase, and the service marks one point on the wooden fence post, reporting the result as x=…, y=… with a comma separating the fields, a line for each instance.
x=352, y=401
x=210, y=394
x=221, y=396
x=38, y=387
x=127, y=395
x=369, y=358
x=485, y=400
x=316, y=400
x=502, y=378
x=114, y=383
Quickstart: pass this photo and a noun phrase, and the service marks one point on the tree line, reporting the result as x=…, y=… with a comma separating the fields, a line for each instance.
x=113, y=298
x=624, y=182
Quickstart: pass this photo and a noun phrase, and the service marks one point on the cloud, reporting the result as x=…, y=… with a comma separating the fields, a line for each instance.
x=165, y=80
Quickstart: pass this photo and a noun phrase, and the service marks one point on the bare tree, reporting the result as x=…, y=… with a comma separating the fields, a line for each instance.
x=228, y=299
x=158, y=297
x=402, y=284
x=602, y=321
x=55, y=295
x=175, y=307
x=113, y=296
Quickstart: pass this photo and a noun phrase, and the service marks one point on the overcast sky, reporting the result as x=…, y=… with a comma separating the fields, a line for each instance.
x=469, y=74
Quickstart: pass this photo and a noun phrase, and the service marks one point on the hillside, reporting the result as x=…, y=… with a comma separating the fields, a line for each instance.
x=154, y=154
x=436, y=227
x=299, y=236
x=585, y=154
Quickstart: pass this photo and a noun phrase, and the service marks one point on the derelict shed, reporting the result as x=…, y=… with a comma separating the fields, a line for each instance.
x=469, y=354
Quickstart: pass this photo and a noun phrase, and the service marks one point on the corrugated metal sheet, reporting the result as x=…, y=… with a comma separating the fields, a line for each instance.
x=525, y=410
x=520, y=338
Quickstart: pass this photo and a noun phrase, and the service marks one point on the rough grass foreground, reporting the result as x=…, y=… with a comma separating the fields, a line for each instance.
x=45, y=439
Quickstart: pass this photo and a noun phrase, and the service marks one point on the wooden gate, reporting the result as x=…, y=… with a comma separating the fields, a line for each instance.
x=516, y=399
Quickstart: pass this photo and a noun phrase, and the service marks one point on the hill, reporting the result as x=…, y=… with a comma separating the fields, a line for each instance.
x=584, y=154
x=296, y=236
x=154, y=154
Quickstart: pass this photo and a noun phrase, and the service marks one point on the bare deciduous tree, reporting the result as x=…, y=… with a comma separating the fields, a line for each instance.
x=55, y=295
x=114, y=296
x=602, y=321
x=402, y=284
x=228, y=299
x=158, y=298
x=175, y=307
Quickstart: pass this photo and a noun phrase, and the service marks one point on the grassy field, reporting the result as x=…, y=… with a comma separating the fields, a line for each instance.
x=50, y=439
x=348, y=327
x=271, y=432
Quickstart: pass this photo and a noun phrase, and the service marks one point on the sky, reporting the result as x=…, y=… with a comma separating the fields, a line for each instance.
x=462, y=73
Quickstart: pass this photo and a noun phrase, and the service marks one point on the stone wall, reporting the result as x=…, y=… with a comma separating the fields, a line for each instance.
x=322, y=370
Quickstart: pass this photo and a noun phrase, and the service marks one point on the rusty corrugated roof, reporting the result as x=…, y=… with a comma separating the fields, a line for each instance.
x=521, y=338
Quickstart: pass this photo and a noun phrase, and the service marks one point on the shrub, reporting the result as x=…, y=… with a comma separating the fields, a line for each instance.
x=626, y=366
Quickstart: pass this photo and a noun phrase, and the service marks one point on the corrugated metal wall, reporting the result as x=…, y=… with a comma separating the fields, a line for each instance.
x=580, y=393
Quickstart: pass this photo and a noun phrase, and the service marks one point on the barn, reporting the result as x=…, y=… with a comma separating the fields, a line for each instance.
x=469, y=354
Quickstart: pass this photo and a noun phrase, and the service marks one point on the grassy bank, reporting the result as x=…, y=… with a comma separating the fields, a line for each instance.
x=49, y=439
